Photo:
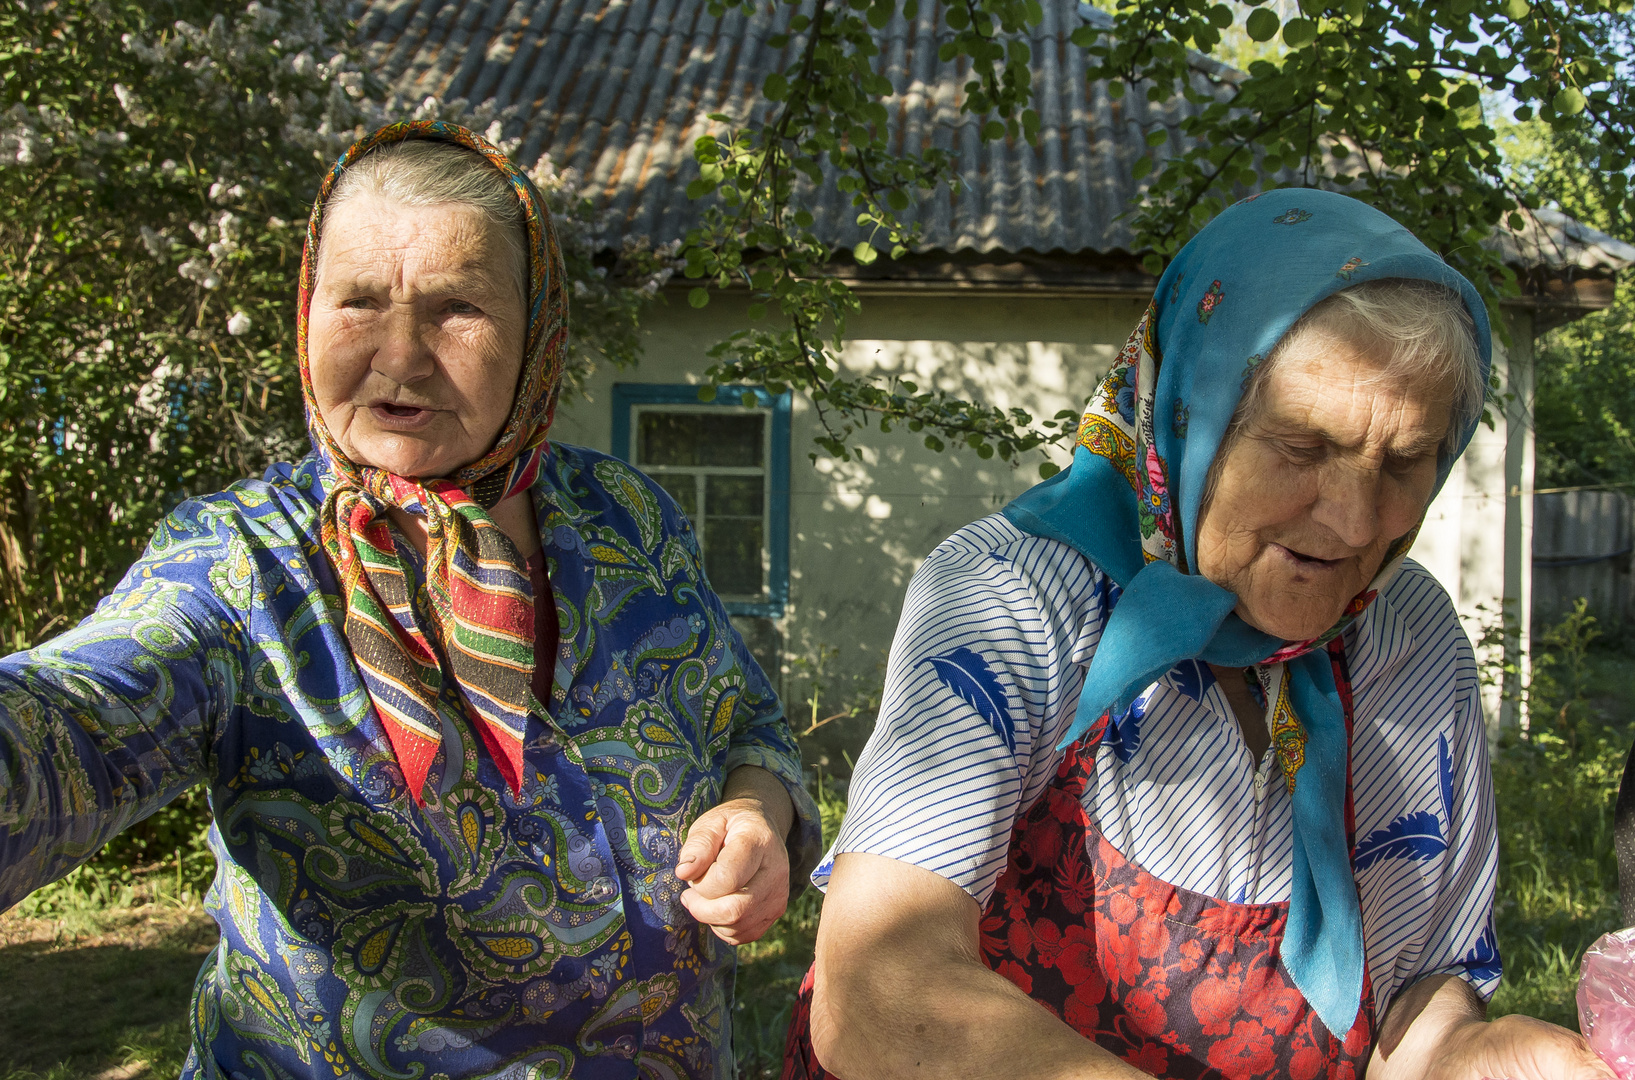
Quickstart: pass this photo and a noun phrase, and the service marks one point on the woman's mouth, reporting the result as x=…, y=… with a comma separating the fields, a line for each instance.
x=1305, y=561
x=397, y=417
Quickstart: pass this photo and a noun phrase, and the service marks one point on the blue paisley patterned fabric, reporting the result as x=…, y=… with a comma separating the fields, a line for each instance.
x=485, y=934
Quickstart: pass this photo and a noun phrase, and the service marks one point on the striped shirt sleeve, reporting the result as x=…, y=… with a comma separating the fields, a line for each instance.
x=993, y=637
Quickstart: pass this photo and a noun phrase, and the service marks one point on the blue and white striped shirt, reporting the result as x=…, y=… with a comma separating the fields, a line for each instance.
x=997, y=630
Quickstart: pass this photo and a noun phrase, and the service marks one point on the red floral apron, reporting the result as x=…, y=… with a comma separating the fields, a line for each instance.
x=1176, y=983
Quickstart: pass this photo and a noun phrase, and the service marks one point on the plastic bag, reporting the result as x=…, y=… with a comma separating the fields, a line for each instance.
x=1606, y=1000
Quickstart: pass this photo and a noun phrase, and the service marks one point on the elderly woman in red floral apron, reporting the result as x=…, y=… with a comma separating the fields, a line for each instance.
x=1181, y=767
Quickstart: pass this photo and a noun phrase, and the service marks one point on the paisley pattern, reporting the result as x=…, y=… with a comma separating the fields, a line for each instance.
x=533, y=933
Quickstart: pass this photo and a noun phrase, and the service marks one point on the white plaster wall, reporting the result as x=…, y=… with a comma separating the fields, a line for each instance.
x=1477, y=538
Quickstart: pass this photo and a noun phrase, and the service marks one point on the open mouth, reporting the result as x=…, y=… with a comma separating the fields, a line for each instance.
x=401, y=417
x=1310, y=560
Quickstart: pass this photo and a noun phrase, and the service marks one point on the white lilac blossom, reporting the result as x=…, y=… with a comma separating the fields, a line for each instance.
x=239, y=324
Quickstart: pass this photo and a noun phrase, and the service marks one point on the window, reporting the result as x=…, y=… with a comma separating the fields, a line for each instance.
x=727, y=465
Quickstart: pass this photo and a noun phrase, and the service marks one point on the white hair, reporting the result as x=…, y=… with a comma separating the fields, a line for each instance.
x=1421, y=330
x=429, y=172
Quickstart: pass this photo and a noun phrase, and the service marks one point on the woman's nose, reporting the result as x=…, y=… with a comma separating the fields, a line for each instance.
x=1348, y=505
x=405, y=355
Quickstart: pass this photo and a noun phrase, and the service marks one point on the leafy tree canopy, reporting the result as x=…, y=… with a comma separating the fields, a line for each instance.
x=1395, y=102
x=157, y=162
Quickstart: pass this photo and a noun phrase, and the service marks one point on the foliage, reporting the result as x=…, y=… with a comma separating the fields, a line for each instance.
x=1556, y=786
x=157, y=161
x=829, y=111
x=1584, y=407
x=1383, y=100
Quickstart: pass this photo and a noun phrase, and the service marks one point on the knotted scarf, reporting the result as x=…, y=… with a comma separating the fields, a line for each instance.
x=1130, y=503
x=479, y=630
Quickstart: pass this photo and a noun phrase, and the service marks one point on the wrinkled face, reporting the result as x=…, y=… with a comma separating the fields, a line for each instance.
x=415, y=335
x=1334, y=466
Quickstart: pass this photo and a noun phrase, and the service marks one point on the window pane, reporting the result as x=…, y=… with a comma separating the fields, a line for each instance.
x=735, y=496
x=684, y=490
x=733, y=533
x=706, y=437
x=732, y=555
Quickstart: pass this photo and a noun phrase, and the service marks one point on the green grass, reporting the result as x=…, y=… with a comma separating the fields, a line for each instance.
x=1558, y=877
x=98, y=980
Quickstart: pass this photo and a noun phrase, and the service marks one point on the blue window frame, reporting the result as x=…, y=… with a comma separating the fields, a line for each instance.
x=726, y=462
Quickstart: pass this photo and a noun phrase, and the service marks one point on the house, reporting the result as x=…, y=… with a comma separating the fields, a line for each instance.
x=1021, y=294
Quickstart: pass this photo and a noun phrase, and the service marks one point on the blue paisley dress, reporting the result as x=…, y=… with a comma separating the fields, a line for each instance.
x=483, y=934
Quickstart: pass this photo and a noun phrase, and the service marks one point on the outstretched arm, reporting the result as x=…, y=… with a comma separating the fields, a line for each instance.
x=103, y=725
x=901, y=990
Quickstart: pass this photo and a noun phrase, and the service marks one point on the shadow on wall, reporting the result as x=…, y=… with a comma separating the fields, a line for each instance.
x=861, y=528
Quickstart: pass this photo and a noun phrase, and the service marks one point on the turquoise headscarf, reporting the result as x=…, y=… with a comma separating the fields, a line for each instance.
x=1130, y=504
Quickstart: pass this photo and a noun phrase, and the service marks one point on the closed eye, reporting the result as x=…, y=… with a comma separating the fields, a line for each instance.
x=1303, y=453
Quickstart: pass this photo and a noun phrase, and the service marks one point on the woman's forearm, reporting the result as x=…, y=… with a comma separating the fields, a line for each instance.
x=901, y=989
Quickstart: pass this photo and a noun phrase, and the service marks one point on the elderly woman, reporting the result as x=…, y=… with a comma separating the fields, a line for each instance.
x=458, y=693
x=1179, y=746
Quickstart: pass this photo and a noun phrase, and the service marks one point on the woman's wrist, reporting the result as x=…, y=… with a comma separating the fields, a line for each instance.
x=753, y=784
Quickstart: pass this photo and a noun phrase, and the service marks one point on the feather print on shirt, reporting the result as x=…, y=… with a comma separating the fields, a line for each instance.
x=969, y=676
x=1418, y=835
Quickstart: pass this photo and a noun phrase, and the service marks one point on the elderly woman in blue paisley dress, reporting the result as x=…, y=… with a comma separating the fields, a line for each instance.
x=456, y=836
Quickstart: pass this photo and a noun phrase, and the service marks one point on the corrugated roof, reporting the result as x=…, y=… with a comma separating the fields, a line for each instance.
x=620, y=91
x=1551, y=238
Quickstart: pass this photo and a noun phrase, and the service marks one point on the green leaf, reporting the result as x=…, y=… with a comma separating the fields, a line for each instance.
x=748, y=399
x=1523, y=113
x=1569, y=101
x=1517, y=10
x=1261, y=25
x=864, y=253
x=1143, y=166
x=1115, y=89
x=776, y=86
x=1298, y=32
x=993, y=130
x=706, y=392
x=698, y=297
x=1048, y=469
x=1157, y=136
x=933, y=443
x=803, y=219
x=1220, y=16
x=911, y=10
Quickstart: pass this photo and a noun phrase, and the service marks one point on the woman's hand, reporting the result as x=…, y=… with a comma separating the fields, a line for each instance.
x=1522, y=1048
x=1435, y=1030
x=737, y=857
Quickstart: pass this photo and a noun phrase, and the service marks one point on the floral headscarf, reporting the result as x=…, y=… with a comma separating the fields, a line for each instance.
x=1131, y=500
x=480, y=631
